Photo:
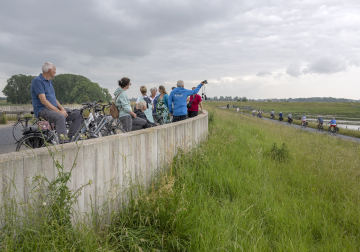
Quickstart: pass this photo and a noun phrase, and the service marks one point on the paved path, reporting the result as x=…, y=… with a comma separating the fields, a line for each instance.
x=7, y=141
x=308, y=129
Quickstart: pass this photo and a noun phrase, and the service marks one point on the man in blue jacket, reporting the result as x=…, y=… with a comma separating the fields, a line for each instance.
x=178, y=96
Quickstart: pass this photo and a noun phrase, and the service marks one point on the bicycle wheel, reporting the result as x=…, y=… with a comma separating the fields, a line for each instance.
x=33, y=141
x=18, y=128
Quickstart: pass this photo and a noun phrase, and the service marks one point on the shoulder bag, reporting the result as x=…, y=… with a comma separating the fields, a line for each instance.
x=190, y=103
x=114, y=111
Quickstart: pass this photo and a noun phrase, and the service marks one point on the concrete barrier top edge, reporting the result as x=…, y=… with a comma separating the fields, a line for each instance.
x=42, y=151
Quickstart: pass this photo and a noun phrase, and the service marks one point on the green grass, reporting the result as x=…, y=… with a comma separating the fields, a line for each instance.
x=236, y=192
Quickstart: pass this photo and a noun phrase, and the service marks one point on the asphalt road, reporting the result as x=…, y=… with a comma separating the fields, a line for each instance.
x=7, y=141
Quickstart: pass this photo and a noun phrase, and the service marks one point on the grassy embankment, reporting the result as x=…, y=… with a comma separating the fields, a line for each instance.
x=339, y=110
x=238, y=193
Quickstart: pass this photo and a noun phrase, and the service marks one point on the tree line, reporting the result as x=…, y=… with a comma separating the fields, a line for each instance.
x=69, y=89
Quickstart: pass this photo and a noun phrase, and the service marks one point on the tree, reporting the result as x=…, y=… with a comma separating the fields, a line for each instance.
x=85, y=99
x=244, y=99
x=17, y=89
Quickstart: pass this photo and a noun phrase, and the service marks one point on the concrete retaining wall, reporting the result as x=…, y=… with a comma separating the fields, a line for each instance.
x=109, y=162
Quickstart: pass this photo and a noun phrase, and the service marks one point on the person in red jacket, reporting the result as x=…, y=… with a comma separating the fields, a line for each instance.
x=195, y=102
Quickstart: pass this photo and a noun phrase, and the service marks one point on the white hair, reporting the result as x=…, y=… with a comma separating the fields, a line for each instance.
x=180, y=83
x=153, y=89
x=141, y=104
x=45, y=68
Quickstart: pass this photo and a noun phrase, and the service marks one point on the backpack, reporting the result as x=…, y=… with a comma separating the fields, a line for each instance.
x=147, y=100
x=114, y=111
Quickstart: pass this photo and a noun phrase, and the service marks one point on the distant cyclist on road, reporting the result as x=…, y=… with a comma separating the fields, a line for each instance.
x=333, y=124
x=259, y=113
x=289, y=116
x=281, y=116
x=272, y=113
x=320, y=122
x=254, y=111
x=303, y=120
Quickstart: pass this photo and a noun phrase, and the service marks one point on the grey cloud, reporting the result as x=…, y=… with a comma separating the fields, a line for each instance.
x=158, y=42
x=263, y=74
x=326, y=66
x=294, y=70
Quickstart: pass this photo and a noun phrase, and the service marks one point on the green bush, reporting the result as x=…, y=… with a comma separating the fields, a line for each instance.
x=3, y=119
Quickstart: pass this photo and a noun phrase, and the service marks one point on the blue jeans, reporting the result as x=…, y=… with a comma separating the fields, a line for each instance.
x=179, y=118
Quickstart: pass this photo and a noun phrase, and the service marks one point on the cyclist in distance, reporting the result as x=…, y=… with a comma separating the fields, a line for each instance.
x=272, y=113
x=303, y=120
x=320, y=122
x=333, y=124
x=281, y=116
x=253, y=112
x=289, y=117
x=47, y=107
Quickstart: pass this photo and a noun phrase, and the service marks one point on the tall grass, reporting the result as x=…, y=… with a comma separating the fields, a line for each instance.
x=3, y=119
x=230, y=194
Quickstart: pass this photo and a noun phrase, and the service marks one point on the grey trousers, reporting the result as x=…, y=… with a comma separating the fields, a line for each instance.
x=130, y=124
x=59, y=120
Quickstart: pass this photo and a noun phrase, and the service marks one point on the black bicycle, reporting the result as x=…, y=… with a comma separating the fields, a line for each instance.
x=290, y=120
x=33, y=137
x=333, y=130
x=320, y=127
x=21, y=124
x=304, y=124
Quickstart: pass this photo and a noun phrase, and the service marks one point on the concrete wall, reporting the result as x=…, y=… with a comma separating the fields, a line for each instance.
x=109, y=162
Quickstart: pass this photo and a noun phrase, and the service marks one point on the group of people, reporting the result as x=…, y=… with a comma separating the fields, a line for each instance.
x=180, y=104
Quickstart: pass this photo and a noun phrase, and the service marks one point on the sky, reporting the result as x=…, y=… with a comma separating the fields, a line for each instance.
x=254, y=48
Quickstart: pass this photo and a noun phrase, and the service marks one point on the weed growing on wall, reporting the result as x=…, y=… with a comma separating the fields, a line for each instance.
x=45, y=221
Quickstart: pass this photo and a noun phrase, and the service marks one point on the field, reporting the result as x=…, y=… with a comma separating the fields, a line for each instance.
x=253, y=186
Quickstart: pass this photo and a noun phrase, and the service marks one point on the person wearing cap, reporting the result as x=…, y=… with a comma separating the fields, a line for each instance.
x=178, y=97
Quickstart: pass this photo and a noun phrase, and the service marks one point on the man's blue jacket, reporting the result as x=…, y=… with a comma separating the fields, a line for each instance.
x=178, y=97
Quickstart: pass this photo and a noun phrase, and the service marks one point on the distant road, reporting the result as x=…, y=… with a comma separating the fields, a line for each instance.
x=306, y=128
x=7, y=142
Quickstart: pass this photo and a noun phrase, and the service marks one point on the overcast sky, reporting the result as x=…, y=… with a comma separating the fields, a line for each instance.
x=252, y=48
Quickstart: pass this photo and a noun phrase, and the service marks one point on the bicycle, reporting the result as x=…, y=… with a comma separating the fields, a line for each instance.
x=320, y=127
x=304, y=124
x=272, y=117
x=331, y=131
x=36, y=138
x=21, y=124
x=290, y=120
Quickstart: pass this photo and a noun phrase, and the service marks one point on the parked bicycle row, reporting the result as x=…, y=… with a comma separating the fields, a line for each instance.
x=333, y=129
x=53, y=124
